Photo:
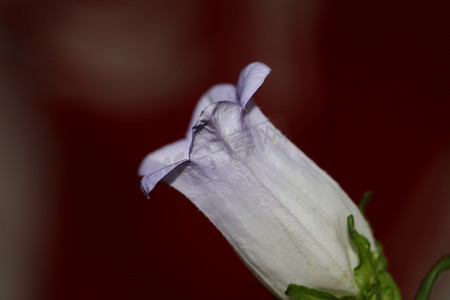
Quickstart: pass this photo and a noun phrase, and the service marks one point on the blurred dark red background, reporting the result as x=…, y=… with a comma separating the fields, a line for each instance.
x=89, y=88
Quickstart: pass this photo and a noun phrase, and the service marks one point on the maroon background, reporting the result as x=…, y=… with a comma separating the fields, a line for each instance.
x=371, y=108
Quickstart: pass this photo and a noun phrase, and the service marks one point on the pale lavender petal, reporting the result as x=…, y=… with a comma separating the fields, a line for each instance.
x=220, y=92
x=149, y=181
x=250, y=80
x=273, y=153
x=284, y=216
x=165, y=156
x=253, y=115
x=288, y=161
x=266, y=207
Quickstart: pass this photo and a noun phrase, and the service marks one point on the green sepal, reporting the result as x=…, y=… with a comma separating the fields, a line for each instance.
x=370, y=275
x=300, y=292
x=367, y=196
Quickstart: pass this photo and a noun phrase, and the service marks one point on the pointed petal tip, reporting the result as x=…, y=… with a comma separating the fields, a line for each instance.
x=250, y=79
x=164, y=156
x=145, y=190
x=262, y=66
x=149, y=181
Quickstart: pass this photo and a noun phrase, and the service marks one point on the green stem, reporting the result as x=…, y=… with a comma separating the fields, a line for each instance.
x=427, y=283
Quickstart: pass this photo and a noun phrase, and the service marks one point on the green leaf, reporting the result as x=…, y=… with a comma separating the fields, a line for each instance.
x=300, y=292
x=371, y=277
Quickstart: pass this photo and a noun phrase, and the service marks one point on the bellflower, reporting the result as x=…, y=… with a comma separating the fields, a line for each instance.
x=283, y=215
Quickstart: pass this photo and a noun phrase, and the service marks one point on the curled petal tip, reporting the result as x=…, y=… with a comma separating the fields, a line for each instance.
x=145, y=190
x=250, y=79
x=149, y=181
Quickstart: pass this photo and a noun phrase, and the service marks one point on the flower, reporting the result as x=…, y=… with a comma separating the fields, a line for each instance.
x=283, y=215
